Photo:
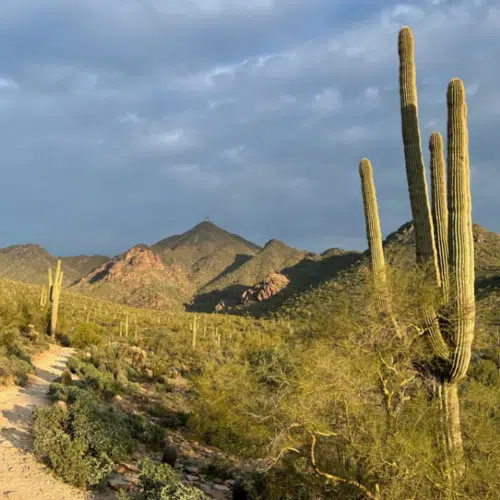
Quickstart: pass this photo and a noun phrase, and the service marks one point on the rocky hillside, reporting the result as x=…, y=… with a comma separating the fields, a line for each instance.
x=139, y=278
x=274, y=257
x=402, y=244
x=30, y=263
x=486, y=248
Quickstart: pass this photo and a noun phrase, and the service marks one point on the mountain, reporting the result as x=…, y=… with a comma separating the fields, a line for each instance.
x=303, y=270
x=139, y=278
x=274, y=257
x=205, y=252
x=30, y=263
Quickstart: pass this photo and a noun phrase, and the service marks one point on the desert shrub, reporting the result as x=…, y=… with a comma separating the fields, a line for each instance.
x=14, y=369
x=161, y=482
x=69, y=455
x=82, y=444
x=9, y=337
x=485, y=371
x=86, y=334
x=68, y=394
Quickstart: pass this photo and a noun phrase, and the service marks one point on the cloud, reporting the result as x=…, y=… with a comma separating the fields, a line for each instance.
x=129, y=122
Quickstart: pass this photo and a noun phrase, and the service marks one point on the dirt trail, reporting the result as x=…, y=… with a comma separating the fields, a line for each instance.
x=21, y=476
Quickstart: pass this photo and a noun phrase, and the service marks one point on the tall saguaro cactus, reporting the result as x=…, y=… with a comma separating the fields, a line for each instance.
x=55, y=286
x=453, y=260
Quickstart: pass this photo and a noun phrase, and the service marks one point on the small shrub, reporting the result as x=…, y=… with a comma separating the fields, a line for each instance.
x=86, y=334
x=161, y=482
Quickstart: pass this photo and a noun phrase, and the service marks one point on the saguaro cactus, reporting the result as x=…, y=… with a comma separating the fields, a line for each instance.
x=194, y=331
x=374, y=237
x=55, y=286
x=453, y=218
x=372, y=220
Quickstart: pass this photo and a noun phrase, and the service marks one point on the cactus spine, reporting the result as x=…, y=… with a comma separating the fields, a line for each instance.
x=55, y=286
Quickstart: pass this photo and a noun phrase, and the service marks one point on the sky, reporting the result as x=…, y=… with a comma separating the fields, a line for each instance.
x=123, y=122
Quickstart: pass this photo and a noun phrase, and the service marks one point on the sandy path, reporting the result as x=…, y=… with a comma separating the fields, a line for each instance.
x=21, y=476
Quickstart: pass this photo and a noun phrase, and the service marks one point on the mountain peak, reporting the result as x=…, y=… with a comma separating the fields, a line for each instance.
x=274, y=243
x=204, y=233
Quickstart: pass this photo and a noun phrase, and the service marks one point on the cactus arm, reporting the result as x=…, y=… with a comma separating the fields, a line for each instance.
x=440, y=208
x=414, y=160
x=417, y=183
x=461, y=242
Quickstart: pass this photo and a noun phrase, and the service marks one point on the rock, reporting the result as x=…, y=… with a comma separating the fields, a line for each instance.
x=231, y=482
x=169, y=455
x=120, y=484
x=117, y=399
x=62, y=405
x=192, y=470
x=207, y=488
x=270, y=286
x=189, y=477
x=130, y=467
x=221, y=487
x=220, y=306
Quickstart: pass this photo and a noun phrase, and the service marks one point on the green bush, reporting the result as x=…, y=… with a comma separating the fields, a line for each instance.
x=82, y=443
x=69, y=455
x=86, y=334
x=161, y=482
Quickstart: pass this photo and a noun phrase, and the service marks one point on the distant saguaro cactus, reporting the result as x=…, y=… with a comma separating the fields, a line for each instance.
x=55, y=285
x=43, y=297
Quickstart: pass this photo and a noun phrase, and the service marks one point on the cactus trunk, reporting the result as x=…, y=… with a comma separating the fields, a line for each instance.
x=55, y=286
x=414, y=160
x=426, y=252
x=461, y=241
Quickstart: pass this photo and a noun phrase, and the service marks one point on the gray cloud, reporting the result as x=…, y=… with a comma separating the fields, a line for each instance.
x=126, y=122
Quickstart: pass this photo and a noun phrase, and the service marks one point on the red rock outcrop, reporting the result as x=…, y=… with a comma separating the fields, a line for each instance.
x=271, y=285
